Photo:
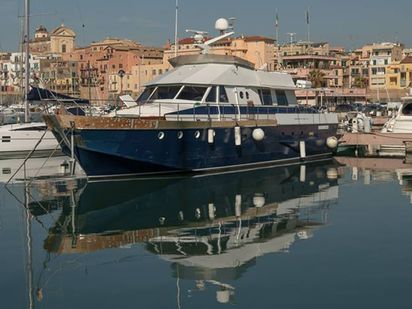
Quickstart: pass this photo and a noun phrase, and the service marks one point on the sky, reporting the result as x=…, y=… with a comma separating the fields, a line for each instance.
x=348, y=23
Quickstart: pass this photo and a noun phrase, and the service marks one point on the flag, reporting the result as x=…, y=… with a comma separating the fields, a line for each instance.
x=307, y=16
x=277, y=20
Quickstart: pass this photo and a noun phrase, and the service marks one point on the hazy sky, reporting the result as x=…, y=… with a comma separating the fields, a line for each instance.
x=349, y=23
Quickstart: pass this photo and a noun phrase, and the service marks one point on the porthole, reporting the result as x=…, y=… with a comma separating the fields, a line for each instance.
x=197, y=134
x=247, y=95
x=241, y=95
x=161, y=135
x=179, y=135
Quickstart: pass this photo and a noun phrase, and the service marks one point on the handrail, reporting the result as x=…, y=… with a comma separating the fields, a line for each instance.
x=223, y=110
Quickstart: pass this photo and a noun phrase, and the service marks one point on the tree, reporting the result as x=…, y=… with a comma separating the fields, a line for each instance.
x=316, y=77
x=360, y=82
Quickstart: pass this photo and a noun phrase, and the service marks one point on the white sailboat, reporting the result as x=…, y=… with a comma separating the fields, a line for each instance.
x=22, y=138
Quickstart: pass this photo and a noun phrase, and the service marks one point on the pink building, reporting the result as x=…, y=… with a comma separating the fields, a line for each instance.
x=104, y=58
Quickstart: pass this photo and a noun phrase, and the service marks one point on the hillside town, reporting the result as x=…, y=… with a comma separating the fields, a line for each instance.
x=105, y=69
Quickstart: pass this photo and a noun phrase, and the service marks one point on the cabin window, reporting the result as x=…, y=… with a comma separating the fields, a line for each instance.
x=223, y=95
x=247, y=95
x=211, y=97
x=165, y=92
x=145, y=94
x=281, y=97
x=241, y=95
x=265, y=96
x=407, y=110
x=192, y=93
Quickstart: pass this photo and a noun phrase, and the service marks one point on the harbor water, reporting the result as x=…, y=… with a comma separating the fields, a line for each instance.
x=331, y=234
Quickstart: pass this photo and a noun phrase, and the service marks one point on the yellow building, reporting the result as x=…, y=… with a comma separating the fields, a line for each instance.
x=382, y=56
x=133, y=82
x=60, y=41
x=399, y=74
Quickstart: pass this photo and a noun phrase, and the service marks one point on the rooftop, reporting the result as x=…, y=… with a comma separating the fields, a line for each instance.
x=406, y=60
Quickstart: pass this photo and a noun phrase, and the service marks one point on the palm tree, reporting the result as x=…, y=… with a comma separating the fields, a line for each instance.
x=317, y=78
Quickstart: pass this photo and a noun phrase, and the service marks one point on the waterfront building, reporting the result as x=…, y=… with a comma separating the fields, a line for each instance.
x=4, y=72
x=109, y=57
x=300, y=66
x=382, y=55
x=305, y=48
x=356, y=73
x=60, y=76
x=399, y=74
x=12, y=72
x=133, y=83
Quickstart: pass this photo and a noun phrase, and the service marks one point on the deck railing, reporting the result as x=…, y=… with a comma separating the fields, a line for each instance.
x=223, y=111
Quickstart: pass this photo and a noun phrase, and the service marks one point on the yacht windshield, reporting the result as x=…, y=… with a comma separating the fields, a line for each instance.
x=145, y=95
x=192, y=93
x=165, y=92
x=407, y=110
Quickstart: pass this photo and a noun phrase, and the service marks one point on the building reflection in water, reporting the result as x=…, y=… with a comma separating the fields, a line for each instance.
x=211, y=228
x=372, y=170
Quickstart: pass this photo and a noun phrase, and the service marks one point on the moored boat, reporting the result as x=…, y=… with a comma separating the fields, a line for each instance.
x=211, y=112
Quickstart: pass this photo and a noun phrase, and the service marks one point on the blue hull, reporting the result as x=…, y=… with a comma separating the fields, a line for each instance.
x=117, y=152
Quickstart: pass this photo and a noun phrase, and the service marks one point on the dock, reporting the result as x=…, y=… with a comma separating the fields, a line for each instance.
x=376, y=139
x=376, y=144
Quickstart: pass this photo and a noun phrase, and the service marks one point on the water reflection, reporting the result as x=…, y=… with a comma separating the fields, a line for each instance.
x=210, y=228
x=372, y=170
x=204, y=240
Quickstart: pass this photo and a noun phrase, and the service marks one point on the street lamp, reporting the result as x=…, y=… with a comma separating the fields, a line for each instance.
x=121, y=74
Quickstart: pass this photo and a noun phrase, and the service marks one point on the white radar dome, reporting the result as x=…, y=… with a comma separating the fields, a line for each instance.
x=221, y=24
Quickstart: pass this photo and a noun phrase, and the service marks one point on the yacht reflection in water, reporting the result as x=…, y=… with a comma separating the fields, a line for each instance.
x=211, y=227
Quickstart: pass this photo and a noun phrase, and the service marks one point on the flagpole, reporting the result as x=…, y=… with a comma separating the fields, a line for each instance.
x=277, y=40
x=176, y=19
x=308, y=24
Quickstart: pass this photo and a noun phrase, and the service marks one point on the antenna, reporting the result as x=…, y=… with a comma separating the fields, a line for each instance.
x=221, y=25
x=232, y=21
x=198, y=36
x=277, y=39
x=291, y=36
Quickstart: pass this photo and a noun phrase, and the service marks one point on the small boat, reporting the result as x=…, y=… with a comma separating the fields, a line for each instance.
x=18, y=140
x=211, y=112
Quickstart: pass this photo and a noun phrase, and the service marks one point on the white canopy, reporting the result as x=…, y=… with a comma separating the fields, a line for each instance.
x=224, y=74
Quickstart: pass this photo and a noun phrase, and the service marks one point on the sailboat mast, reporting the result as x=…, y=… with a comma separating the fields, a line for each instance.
x=26, y=58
